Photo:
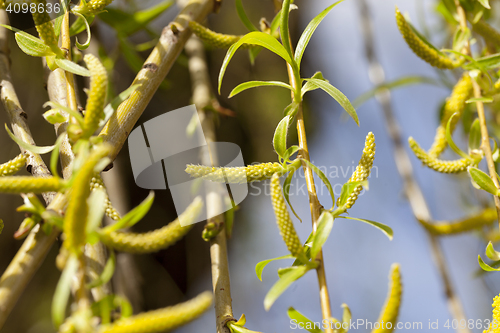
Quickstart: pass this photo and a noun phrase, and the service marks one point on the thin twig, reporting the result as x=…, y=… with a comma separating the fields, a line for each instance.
x=403, y=163
x=37, y=245
x=202, y=98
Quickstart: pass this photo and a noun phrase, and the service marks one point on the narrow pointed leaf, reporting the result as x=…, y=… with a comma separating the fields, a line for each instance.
x=279, y=139
x=475, y=135
x=107, y=272
x=483, y=180
x=492, y=253
x=485, y=266
x=261, y=265
x=450, y=141
x=323, y=178
x=325, y=225
x=282, y=284
x=305, y=322
x=134, y=216
x=384, y=228
x=72, y=67
x=243, y=16
x=338, y=96
x=254, y=84
x=309, y=86
x=27, y=146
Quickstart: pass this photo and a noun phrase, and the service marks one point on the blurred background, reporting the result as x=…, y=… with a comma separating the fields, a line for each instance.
x=357, y=256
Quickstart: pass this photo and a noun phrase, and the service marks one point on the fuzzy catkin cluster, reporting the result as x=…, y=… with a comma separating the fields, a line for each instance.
x=421, y=49
x=162, y=320
x=363, y=169
x=27, y=184
x=285, y=224
x=439, y=165
x=44, y=25
x=156, y=240
x=390, y=311
x=13, y=166
x=251, y=173
x=97, y=183
x=486, y=217
x=495, y=323
x=213, y=39
x=92, y=7
x=94, y=110
x=454, y=104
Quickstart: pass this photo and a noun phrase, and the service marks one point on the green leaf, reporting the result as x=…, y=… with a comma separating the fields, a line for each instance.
x=485, y=266
x=96, y=201
x=399, y=83
x=483, y=180
x=479, y=99
x=384, y=228
x=311, y=86
x=347, y=190
x=450, y=141
x=275, y=24
x=346, y=318
x=338, y=96
x=63, y=290
x=243, y=16
x=132, y=217
x=475, y=136
x=284, y=30
x=239, y=329
x=107, y=272
x=323, y=178
x=110, y=109
x=279, y=139
x=303, y=321
x=79, y=25
x=27, y=146
x=492, y=253
x=286, y=192
x=85, y=45
x=289, y=152
x=484, y=63
x=29, y=44
x=282, y=284
x=485, y=3
x=254, y=38
x=77, y=115
x=72, y=67
x=54, y=157
x=261, y=265
x=325, y=225
x=254, y=84
x=291, y=109
x=308, y=32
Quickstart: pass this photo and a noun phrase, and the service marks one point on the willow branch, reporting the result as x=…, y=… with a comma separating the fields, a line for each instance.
x=411, y=188
x=35, y=248
x=202, y=98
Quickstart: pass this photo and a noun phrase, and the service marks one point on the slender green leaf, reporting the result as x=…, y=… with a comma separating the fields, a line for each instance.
x=483, y=180
x=107, y=272
x=325, y=225
x=479, y=99
x=492, y=253
x=303, y=321
x=77, y=115
x=346, y=318
x=308, y=32
x=72, y=67
x=29, y=44
x=261, y=265
x=289, y=152
x=291, y=109
x=384, y=228
x=485, y=266
x=253, y=84
x=475, y=136
x=311, y=86
x=239, y=329
x=243, y=16
x=282, y=284
x=54, y=157
x=110, y=109
x=79, y=25
x=134, y=216
x=485, y=3
x=284, y=30
x=254, y=38
x=484, y=63
x=286, y=192
x=275, y=24
x=450, y=141
x=338, y=96
x=27, y=146
x=85, y=45
x=279, y=140
x=323, y=178
x=63, y=290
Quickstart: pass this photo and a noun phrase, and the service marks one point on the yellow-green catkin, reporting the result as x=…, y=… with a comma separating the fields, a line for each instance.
x=484, y=218
x=92, y=7
x=97, y=183
x=251, y=173
x=489, y=33
x=44, y=25
x=13, y=166
x=28, y=184
x=390, y=311
x=156, y=240
x=494, y=326
x=454, y=104
x=75, y=219
x=363, y=169
x=94, y=110
x=213, y=39
x=161, y=320
x=285, y=224
x=420, y=48
x=456, y=166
